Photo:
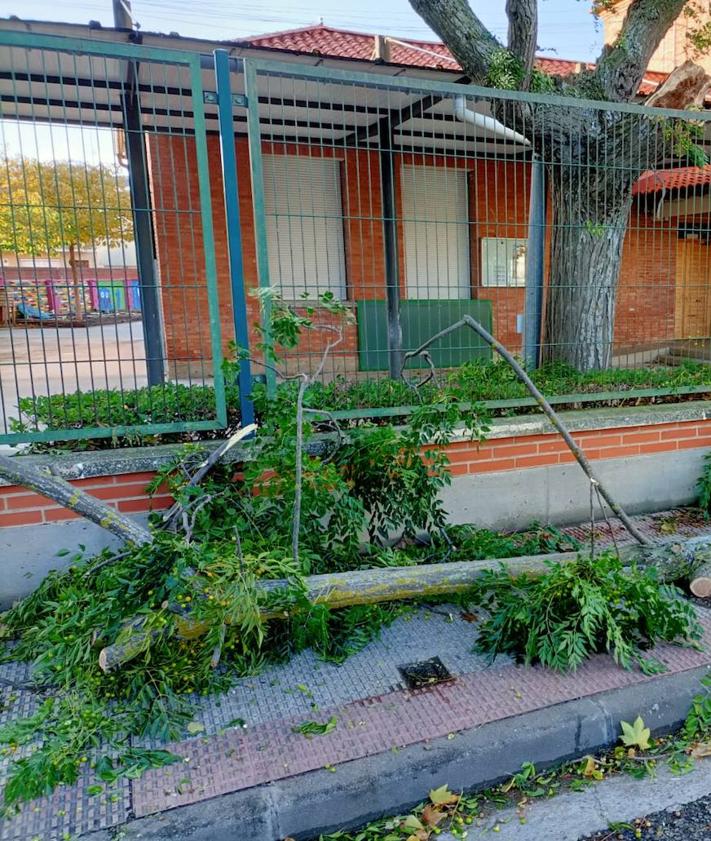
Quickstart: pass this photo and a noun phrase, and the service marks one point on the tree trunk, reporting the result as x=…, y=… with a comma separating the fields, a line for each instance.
x=589, y=222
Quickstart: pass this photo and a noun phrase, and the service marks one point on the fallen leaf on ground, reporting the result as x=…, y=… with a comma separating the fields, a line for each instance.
x=432, y=816
x=702, y=749
x=442, y=796
x=195, y=727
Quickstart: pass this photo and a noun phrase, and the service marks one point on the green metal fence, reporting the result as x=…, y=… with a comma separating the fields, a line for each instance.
x=576, y=231
x=108, y=285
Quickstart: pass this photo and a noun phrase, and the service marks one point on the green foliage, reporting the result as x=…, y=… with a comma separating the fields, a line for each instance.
x=472, y=383
x=703, y=486
x=166, y=403
x=315, y=728
x=505, y=70
x=581, y=608
x=54, y=204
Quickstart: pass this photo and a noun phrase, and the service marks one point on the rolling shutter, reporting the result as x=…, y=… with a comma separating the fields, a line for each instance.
x=436, y=229
x=304, y=220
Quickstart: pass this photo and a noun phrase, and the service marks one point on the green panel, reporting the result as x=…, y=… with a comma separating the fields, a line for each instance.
x=420, y=320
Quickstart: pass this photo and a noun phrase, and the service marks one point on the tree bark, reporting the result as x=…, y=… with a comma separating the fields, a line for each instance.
x=523, y=34
x=373, y=586
x=586, y=252
x=622, y=65
x=469, y=40
x=17, y=472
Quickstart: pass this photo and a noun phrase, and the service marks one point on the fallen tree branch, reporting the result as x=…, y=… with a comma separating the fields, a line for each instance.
x=473, y=324
x=672, y=559
x=176, y=510
x=16, y=471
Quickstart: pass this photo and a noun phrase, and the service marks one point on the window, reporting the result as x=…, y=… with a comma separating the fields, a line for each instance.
x=304, y=220
x=436, y=230
x=503, y=261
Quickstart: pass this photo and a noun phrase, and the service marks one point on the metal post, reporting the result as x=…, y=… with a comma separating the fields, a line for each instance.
x=234, y=230
x=532, y=324
x=392, y=274
x=260, y=227
x=143, y=229
x=123, y=19
x=141, y=204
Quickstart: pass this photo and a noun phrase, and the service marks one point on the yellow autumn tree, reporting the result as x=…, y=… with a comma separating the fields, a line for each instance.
x=52, y=207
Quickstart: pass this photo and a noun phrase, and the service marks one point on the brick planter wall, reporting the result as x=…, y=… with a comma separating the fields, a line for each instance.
x=502, y=452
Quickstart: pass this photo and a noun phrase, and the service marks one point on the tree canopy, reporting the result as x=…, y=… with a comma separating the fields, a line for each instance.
x=53, y=206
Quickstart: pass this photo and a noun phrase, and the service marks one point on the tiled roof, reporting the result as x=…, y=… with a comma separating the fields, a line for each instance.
x=672, y=179
x=342, y=43
x=330, y=42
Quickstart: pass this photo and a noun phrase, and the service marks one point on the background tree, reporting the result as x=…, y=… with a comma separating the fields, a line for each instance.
x=593, y=156
x=61, y=207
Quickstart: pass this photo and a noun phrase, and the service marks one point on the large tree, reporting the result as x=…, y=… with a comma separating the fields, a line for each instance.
x=60, y=207
x=593, y=155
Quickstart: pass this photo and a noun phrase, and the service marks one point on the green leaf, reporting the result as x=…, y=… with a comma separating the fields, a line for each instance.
x=194, y=727
x=411, y=823
x=635, y=735
x=93, y=790
x=442, y=796
x=314, y=728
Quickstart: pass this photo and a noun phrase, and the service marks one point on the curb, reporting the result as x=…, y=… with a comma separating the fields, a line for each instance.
x=362, y=790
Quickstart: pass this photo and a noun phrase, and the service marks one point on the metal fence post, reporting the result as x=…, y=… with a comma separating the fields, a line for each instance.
x=392, y=273
x=534, y=266
x=260, y=227
x=143, y=228
x=234, y=231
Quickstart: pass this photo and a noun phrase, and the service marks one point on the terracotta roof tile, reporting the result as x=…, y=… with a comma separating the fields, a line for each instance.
x=672, y=179
x=343, y=43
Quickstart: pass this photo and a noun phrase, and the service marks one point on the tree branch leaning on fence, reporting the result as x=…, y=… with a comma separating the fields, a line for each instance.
x=473, y=324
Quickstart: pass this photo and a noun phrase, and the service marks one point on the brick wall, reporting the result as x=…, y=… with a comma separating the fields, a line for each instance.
x=19, y=507
x=126, y=492
x=498, y=205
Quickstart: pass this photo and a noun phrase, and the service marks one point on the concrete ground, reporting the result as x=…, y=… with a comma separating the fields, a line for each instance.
x=681, y=806
x=51, y=360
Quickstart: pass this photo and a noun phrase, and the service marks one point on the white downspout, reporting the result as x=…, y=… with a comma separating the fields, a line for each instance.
x=461, y=112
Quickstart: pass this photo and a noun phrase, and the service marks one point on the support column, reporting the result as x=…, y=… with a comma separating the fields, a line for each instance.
x=533, y=312
x=392, y=273
x=143, y=228
x=234, y=230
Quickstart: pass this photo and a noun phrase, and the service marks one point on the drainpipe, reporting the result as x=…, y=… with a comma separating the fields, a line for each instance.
x=484, y=121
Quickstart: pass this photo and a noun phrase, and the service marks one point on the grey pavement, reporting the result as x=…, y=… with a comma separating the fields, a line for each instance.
x=51, y=360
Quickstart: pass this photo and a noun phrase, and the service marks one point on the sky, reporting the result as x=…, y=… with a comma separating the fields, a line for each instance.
x=567, y=29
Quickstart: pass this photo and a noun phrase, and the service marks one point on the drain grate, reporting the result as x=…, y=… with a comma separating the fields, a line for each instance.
x=425, y=673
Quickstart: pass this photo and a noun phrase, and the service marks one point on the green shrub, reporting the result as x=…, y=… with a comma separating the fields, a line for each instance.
x=579, y=609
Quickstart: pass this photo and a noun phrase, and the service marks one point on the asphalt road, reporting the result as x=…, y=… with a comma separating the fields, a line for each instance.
x=691, y=822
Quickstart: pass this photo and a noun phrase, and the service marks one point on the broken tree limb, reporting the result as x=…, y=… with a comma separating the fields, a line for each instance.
x=580, y=457
x=16, y=471
x=673, y=560
x=172, y=514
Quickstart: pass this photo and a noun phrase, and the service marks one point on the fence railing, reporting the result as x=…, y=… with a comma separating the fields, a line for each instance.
x=577, y=232
x=98, y=337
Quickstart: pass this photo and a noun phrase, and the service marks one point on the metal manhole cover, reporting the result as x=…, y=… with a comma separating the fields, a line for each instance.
x=425, y=673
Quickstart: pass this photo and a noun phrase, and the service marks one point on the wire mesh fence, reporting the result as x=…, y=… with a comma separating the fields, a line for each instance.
x=94, y=327
x=576, y=232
